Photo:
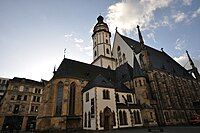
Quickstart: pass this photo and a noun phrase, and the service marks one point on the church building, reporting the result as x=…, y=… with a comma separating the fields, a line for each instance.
x=129, y=84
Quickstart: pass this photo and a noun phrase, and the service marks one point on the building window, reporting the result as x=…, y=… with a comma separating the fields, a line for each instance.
x=34, y=98
x=26, y=89
x=89, y=119
x=10, y=108
x=85, y=123
x=32, y=108
x=35, y=90
x=59, y=99
x=39, y=91
x=101, y=119
x=15, y=88
x=92, y=107
x=19, y=97
x=129, y=98
x=25, y=97
x=140, y=82
x=36, y=108
x=117, y=97
x=125, y=118
x=114, y=121
x=106, y=40
x=118, y=48
x=137, y=117
x=124, y=57
x=72, y=99
x=22, y=108
x=107, y=51
x=12, y=97
x=87, y=96
x=120, y=118
x=95, y=53
x=106, y=94
x=151, y=115
x=38, y=99
x=166, y=116
x=16, y=109
x=135, y=83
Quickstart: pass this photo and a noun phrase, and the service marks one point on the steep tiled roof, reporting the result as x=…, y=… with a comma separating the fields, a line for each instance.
x=99, y=81
x=26, y=81
x=124, y=73
x=159, y=59
x=137, y=71
x=76, y=69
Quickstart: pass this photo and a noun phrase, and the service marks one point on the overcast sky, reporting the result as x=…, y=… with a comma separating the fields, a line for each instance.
x=34, y=33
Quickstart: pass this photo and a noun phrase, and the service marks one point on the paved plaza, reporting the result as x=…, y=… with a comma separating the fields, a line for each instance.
x=186, y=129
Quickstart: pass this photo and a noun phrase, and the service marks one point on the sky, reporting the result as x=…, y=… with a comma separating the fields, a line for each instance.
x=34, y=33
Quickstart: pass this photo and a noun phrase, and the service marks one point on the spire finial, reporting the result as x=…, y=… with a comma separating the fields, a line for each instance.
x=54, y=69
x=64, y=52
x=194, y=69
x=140, y=35
x=190, y=60
x=116, y=28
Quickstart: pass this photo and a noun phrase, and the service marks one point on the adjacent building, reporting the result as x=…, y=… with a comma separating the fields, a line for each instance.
x=20, y=104
x=3, y=87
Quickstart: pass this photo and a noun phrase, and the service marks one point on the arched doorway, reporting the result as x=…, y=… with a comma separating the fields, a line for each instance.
x=108, y=119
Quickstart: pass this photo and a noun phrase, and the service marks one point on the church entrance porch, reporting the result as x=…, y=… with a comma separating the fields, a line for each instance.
x=107, y=119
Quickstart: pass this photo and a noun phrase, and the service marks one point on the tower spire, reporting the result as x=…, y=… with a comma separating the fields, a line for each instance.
x=194, y=69
x=190, y=60
x=140, y=35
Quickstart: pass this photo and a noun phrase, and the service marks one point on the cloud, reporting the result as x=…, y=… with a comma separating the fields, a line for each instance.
x=68, y=35
x=76, y=40
x=196, y=13
x=179, y=17
x=183, y=60
x=79, y=46
x=151, y=36
x=180, y=44
x=165, y=21
x=187, y=2
x=126, y=15
x=88, y=48
x=85, y=49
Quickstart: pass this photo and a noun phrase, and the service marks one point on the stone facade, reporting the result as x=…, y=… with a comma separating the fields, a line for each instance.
x=47, y=118
x=3, y=87
x=21, y=104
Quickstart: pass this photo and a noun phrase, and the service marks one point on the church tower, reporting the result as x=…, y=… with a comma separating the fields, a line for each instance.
x=102, y=55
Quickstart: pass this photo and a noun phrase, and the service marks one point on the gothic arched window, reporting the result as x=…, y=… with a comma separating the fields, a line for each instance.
x=72, y=92
x=138, y=117
x=85, y=121
x=59, y=99
x=124, y=57
x=89, y=119
x=120, y=118
x=117, y=97
x=125, y=118
x=113, y=115
x=106, y=94
x=107, y=51
x=101, y=119
x=106, y=40
x=118, y=48
x=140, y=82
x=95, y=53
